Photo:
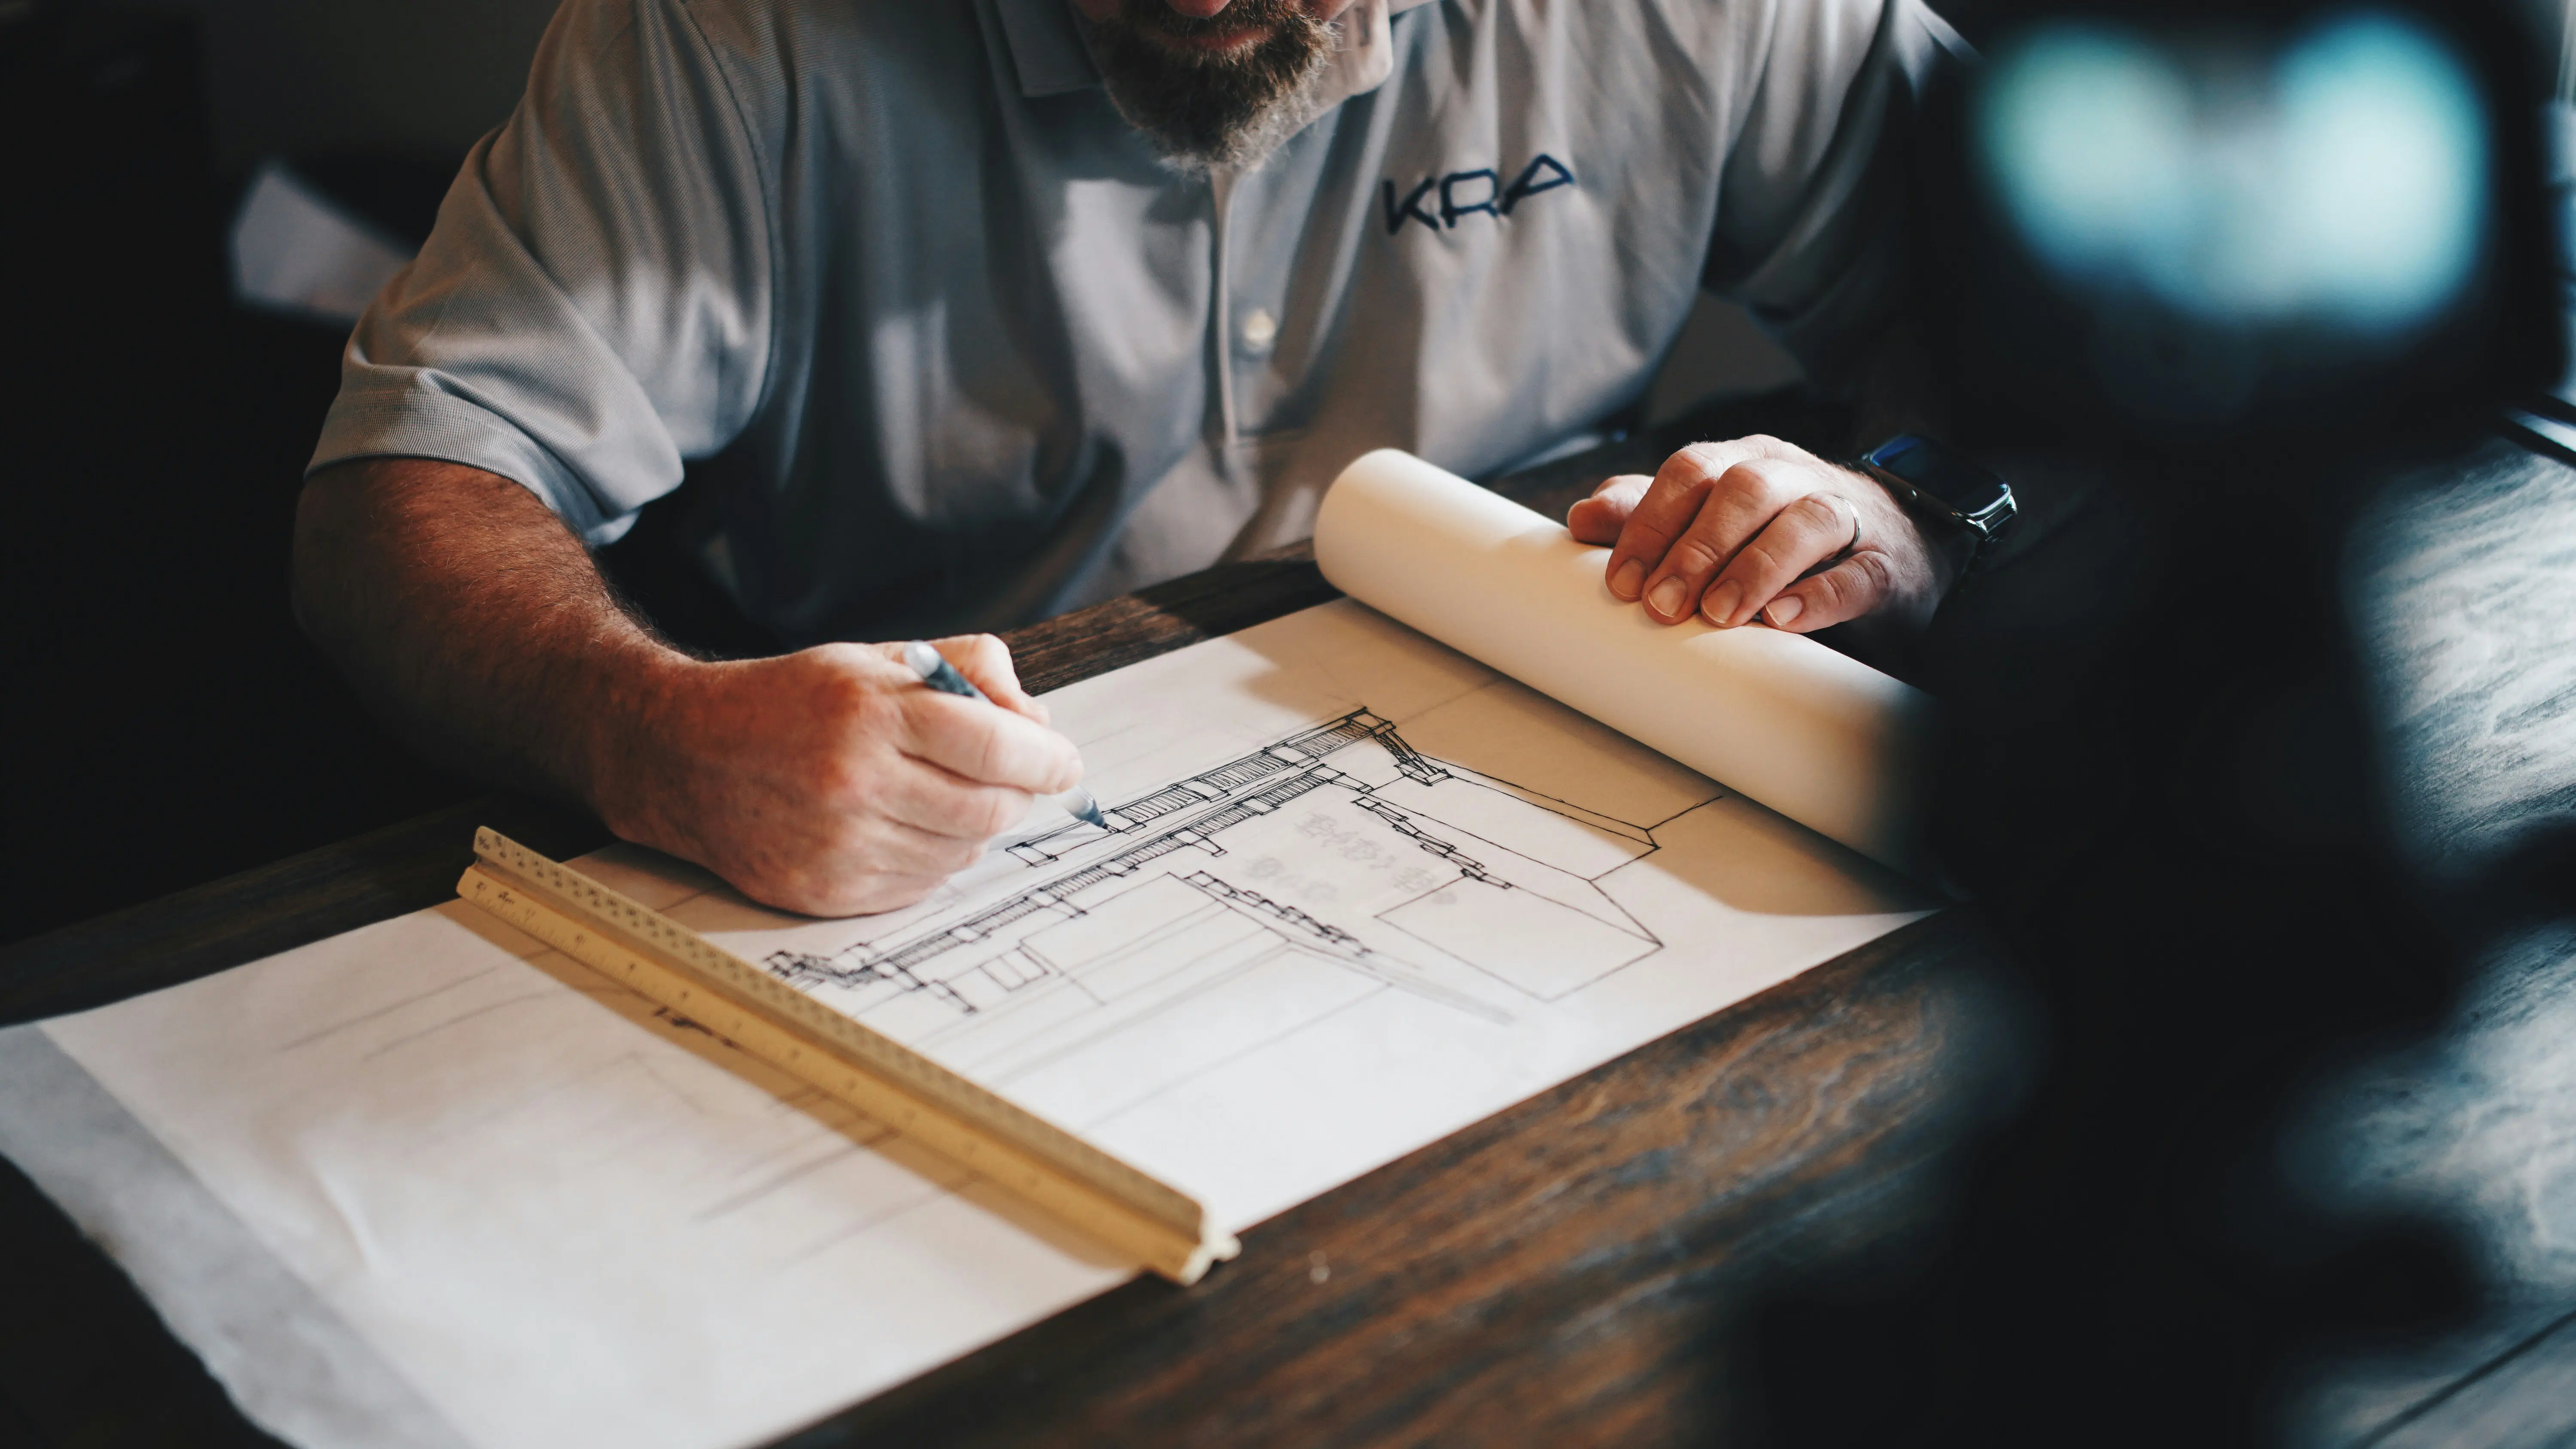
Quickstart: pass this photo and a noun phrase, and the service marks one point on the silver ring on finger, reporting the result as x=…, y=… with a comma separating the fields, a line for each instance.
x=1853, y=547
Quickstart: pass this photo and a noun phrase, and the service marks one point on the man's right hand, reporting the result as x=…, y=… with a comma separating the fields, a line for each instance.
x=830, y=781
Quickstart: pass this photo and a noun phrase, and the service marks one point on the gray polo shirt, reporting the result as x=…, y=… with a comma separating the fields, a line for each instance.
x=974, y=355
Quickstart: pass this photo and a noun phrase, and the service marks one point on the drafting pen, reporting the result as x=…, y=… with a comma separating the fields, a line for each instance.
x=941, y=675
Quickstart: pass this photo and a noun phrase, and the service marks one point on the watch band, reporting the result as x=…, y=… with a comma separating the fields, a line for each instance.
x=1983, y=510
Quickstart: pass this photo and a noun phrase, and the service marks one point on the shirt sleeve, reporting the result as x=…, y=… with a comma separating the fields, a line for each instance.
x=593, y=305
x=1812, y=225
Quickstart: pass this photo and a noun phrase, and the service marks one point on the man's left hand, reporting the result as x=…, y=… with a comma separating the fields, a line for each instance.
x=1759, y=528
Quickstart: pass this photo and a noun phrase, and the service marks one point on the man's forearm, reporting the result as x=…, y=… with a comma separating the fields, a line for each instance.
x=474, y=623
x=827, y=780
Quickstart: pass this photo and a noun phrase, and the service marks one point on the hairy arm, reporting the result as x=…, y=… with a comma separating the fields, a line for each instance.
x=471, y=620
x=826, y=781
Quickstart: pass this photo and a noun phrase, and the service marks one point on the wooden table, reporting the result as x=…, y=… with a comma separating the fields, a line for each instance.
x=1574, y=1270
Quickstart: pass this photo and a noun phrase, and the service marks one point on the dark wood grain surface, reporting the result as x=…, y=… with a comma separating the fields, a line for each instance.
x=303, y=898
x=2461, y=582
x=1583, y=1267
x=1566, y=1272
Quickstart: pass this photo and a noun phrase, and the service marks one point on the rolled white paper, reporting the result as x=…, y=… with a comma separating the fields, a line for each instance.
x=1818, y=736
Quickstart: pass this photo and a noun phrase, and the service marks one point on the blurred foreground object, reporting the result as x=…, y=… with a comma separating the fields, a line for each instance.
x=2214, y=276
x=2196, y=228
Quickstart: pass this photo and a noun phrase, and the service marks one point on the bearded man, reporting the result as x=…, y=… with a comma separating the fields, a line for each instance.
x=1000, y=307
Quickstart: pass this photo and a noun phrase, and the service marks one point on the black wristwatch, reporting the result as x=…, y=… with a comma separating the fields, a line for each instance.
x=1940, y=486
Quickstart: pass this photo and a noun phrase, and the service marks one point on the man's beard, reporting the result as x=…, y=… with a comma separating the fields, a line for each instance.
x=1212, y=110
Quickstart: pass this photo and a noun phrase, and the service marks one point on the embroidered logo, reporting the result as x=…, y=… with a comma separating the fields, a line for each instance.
x=1438, y=202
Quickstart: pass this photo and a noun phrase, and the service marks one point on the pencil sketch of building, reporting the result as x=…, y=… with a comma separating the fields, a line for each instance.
x=1253, y=896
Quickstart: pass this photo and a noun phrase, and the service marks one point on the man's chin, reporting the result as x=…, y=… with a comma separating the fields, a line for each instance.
x=1213, y=100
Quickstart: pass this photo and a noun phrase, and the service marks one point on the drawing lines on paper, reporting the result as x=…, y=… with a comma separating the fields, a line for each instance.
x=1265, y=892
x=365, y=1017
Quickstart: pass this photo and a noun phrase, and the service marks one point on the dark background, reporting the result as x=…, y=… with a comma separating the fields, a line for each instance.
x=168, y=724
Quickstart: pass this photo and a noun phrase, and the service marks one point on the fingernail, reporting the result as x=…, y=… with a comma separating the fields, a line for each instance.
x=1720, y=604
x=1784, y=611
x=1667, y=598
x=1630, y=577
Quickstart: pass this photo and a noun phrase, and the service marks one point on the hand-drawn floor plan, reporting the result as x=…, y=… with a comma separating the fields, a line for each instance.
x=1357, y=891
x=1326, y=866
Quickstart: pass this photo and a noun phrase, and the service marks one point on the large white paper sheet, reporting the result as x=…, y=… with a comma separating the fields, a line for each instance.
x=1365, y=892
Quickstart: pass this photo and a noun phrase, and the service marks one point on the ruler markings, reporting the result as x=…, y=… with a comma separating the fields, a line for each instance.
x=666, y=962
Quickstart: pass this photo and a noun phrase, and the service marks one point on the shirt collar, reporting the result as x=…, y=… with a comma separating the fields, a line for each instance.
x=1047, y=49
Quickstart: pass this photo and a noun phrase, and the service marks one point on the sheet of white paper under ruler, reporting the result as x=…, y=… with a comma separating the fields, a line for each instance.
x=1361, y=892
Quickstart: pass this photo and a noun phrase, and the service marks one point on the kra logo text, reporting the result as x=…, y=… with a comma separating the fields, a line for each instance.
x=1440, y=202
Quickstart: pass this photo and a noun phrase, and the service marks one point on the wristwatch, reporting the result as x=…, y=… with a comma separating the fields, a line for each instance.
x=1939, y=485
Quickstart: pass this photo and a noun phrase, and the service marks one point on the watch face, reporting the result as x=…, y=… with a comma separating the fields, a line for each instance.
x=1941, y=475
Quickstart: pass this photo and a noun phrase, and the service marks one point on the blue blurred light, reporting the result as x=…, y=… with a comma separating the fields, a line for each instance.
x=2385, y=155
x=2088, y=130
x=2341, y=179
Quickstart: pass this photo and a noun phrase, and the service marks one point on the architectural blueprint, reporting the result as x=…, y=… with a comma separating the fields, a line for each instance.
x=1357, y=891
x=1338, y=853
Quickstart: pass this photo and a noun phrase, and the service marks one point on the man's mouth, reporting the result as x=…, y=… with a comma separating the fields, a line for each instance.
x=1211, y=43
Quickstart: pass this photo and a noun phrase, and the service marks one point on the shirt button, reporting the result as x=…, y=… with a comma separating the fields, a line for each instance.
x=1260, y=329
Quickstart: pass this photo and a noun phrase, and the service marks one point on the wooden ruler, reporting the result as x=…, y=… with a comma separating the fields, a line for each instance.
x=666, y=962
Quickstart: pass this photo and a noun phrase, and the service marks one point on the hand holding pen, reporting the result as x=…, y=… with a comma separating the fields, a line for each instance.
x=829, y=780
x=939, y=674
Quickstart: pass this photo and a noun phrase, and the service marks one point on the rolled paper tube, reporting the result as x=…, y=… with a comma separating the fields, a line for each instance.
x=1816, y=735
